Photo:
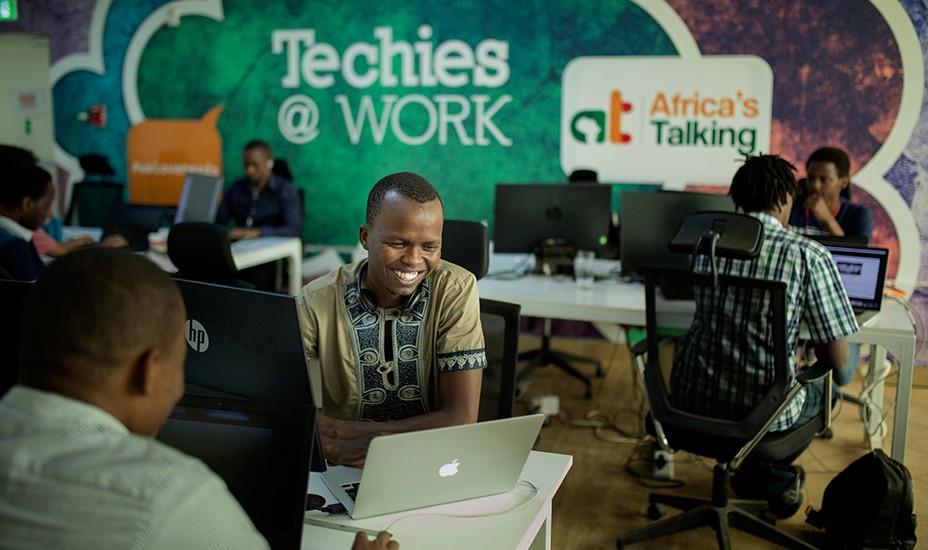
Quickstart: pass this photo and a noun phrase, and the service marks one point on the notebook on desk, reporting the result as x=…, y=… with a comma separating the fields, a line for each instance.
x=863, y=272
x=418, y=469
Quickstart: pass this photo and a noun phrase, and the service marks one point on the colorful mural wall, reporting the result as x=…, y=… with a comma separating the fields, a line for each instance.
x=473, y=93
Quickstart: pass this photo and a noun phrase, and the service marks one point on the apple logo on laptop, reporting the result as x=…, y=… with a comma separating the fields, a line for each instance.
x=448, y=470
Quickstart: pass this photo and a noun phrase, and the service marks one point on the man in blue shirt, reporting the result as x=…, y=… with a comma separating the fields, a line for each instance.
x=262, y=203
x=825, y=207
x=25, y=201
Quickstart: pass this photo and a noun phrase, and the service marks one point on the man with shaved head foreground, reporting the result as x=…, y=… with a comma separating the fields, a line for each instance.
x=397, y=335
x=101, y=367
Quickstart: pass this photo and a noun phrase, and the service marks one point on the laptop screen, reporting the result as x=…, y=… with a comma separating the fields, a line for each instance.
x=199, y=199
x=260, y=450
x=863, y=272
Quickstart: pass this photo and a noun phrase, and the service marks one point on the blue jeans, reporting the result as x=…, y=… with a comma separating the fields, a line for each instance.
x=844, y=376
x=766, y=480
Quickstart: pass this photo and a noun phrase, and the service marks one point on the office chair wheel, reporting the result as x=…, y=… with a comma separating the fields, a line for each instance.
x=656, y=511
x=827, y=434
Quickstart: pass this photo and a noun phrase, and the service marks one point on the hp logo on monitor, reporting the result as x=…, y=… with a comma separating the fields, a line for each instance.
x=196, y=335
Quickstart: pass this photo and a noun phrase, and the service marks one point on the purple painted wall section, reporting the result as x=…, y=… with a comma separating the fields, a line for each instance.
x=66, y=23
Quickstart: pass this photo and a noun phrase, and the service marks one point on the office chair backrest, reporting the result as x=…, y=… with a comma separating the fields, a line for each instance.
x=93, y=204
x=713, y=431
x=201, y=251
x=467, y=244
x=583, y=175
x=500, y=322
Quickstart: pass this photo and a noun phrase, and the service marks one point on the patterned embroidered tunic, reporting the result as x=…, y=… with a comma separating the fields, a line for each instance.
x=382, y=364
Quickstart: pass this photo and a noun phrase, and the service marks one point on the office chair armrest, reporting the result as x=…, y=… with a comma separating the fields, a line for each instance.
x=813, y=373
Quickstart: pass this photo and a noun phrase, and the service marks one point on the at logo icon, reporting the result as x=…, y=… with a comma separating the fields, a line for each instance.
x=591, y=126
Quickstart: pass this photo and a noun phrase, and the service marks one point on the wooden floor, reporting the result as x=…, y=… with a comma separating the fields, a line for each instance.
x=599, y=499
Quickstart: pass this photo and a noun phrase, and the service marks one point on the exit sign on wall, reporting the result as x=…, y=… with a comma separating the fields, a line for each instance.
x=8, y=11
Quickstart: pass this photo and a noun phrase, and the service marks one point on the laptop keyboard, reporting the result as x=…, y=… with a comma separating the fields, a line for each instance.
x=351, y=489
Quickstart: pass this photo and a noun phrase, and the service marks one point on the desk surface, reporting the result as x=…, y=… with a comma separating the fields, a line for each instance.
x=616, y=302
x=436, y=526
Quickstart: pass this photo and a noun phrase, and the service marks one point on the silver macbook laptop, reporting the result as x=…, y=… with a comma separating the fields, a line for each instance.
x=417, y=469
x=863, y=272
x=199, y=199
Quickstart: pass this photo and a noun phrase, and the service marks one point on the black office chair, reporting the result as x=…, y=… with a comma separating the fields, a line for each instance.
x=500, y=322
x=202, y=252
x=93, y=204
x=467, y=244
x=727, y=440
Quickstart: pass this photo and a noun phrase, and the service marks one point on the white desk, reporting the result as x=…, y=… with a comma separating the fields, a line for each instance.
x=245, y=253
x=528, y=527
x=261, y=250
x=623, y=304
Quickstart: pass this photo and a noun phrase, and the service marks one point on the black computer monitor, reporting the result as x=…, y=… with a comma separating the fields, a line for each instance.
x=577, y=215
x=244, y=344
x=199, y=199
x=650, y=219
x=13, y=298
x=262, y=452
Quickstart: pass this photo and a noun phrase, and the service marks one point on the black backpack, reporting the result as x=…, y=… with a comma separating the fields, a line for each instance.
x=868, y=505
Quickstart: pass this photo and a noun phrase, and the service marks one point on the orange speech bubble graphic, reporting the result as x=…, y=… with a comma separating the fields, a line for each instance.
x=161, y=152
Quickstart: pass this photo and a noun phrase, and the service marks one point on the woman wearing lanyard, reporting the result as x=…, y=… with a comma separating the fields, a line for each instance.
x=826, y=207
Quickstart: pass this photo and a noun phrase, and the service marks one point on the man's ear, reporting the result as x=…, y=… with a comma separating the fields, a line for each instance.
x=363, y=233
x=145, y=372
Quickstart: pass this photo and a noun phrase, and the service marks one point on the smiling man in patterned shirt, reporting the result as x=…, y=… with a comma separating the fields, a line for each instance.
x=398, y=335
x=764, y=187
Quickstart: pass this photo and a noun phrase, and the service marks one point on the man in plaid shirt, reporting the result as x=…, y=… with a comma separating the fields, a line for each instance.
x=764, y=187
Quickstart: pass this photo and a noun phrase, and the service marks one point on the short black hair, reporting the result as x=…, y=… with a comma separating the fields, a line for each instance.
x=832, y=154
x=407, y=184
x=11, y=155
x=92, y=309
x=259, y=145
x=762, y=183
x=21, y=181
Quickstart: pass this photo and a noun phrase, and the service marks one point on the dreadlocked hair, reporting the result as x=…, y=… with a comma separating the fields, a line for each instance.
x=762, y=183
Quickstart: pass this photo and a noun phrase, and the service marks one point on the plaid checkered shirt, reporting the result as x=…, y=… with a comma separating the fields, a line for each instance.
x=814, y=294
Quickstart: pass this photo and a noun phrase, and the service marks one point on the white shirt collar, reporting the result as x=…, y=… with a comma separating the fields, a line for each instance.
x=15, y=228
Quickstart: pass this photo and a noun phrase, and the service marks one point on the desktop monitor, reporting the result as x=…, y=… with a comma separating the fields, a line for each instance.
x=13, y=298
x=261, y=451
x=578, y=215
x=199, y=199
x=650, y=219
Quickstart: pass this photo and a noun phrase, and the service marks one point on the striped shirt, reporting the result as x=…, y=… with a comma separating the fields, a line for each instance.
x=814, y=294
x=73, y=476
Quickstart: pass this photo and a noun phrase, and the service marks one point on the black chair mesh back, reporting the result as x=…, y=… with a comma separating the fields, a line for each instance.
x=93, y=204
x=201, y=251
x=500, y=322
x=467, y=244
